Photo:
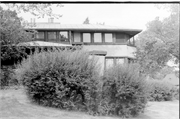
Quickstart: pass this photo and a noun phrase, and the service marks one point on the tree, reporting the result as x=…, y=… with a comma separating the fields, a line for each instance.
x=39, y=10
x=11, y=29
x=86, y=21
x=159, y=42
x=12, y=32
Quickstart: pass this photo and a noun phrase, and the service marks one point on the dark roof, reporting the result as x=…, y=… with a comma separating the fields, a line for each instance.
x=83, y=27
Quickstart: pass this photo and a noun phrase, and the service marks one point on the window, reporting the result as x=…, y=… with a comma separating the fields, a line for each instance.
x=109, y=62
x=40, y=35
x=131, y=60
x=113, y=61
x=63, y=36
x=87, y=37
x=52, y=35
x=120, y=61
x=131, y=41
x=108, y=37
x=77, y=37
x=97, y=37
x=120, y=38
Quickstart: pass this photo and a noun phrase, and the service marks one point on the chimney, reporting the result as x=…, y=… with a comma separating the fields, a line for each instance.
x=32, y=22
x=51, y=20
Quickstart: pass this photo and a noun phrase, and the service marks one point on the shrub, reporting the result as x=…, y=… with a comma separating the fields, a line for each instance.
x=62, y=79
x=7, y=77
x=161, y=91
x=123, y=92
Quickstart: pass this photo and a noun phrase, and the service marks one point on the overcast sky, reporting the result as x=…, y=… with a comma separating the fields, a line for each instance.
x=124, y=15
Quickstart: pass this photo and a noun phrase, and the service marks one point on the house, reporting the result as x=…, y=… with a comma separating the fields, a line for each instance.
x=112, y=45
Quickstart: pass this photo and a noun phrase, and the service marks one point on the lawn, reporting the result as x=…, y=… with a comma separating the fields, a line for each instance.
x=15, y=105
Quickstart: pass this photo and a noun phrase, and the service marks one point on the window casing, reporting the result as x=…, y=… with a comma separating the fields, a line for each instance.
x=109, y=62
x=63, y=36
x=40, y=35
x=77, y=37
x=121, y=38
x=87, y=37
x=108, y=37
x=52, y=35
x=113, y=61
x=98, y=37
x=131, y=41
x=119, y=61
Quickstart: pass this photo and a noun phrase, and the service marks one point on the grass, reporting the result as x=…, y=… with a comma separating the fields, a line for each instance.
x=15, y=105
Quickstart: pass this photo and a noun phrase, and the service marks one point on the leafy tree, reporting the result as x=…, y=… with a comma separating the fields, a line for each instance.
x=39, y=10
x=11, y=26
x=159, y=42
x=12, y=32
x=11, y=29
x=86, y=21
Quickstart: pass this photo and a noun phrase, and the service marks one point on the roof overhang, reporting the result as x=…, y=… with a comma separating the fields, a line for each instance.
x=42, y=43
x=84, y=28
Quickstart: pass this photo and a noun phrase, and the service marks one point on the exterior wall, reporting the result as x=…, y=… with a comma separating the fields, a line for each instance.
x=131, y=51
x=112, y=50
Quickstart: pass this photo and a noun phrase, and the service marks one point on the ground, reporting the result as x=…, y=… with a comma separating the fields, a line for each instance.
x=15, y=105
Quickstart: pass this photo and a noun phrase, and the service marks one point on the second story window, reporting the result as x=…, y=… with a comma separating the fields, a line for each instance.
x=63, y=36
x=108, y=37
x=131, y=41
x=40, y=35
x=77, y=37
x=120, y=38
x=87, y=37
x=97, y=37
x=52, y=35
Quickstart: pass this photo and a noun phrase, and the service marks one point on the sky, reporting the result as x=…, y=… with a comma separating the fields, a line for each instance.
x=124, y=15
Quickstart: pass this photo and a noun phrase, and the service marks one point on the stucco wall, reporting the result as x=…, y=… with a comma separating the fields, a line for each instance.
x=131, y=51
x=112, y=50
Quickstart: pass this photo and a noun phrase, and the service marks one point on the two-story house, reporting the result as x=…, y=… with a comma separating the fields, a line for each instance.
x=112, y=45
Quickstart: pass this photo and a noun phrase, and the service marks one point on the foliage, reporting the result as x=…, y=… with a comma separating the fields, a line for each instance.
x=62, y=79
x=159, y=42
x=7, y=77
x=10, y=29
x=163, y=72
x=162, y=91
x=123, y=92
x=39, y=10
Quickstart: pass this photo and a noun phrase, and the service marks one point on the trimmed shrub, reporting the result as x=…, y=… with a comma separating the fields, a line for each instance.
x=62, y=79
x=162, y=91
x=123, y=92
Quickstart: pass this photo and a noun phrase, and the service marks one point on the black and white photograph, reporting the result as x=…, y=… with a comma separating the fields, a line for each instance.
x=89, y=60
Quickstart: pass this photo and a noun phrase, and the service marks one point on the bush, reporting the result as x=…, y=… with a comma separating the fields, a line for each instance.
x=124, y=92
x=7, y=77
x=70, y=80
x=162, y=91
x=62, y=79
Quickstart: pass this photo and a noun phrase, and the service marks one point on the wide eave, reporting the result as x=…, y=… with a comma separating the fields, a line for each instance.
x=82, y=27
